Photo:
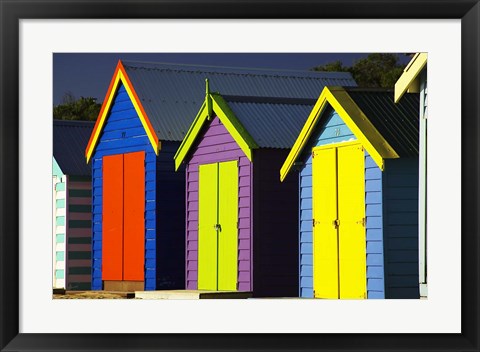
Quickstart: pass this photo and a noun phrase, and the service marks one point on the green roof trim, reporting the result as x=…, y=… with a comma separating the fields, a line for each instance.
x=57, y=171
x=192, y=133
x=233, y=125
x=214, y=104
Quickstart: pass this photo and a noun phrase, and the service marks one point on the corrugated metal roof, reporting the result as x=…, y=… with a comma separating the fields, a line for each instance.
x=272, y=122
x=70, y=138
x=172, y=94
x=397, y=123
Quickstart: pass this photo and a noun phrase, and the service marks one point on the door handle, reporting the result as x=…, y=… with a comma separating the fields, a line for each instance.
x=362, y=222
x=336, y=223
x=217, y=227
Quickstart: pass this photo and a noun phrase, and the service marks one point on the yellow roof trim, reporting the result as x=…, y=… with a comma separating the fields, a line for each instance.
x=409, y=75
x=233, y=126
x=361, y=127
x=354, y=118
x=120, y=75
x=304, y=135
x=102, y=118
x=191, y=135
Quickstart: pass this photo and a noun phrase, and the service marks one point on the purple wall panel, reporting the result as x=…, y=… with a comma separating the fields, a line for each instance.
x=219, y=139
x=217, y=156
x=217, y=145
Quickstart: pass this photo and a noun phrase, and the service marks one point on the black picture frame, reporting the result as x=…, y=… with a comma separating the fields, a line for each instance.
x=12, y=11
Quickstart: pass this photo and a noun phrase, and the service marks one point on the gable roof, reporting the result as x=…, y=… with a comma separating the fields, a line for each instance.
x=119, y=78
x=397, y=123
x=387, y=130
x=254, y=122
x=69, y=141
x=408, y=79
x=272, y=122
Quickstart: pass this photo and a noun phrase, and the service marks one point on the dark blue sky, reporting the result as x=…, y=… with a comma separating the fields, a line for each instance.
x=89, y=74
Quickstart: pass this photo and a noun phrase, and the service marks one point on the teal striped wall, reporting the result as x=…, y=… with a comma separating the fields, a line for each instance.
x=59, y=229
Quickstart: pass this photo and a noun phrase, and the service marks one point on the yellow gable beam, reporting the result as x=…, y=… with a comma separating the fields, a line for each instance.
x=96, y=133
x=354, y=118
x=304, y=135
x=361, y=127
x=408, y=78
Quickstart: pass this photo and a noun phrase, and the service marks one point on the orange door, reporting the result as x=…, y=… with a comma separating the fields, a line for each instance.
x=133, y=220
x=123, y=224
x=112, y=222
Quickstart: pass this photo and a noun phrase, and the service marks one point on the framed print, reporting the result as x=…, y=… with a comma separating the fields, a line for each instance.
x=34, y=32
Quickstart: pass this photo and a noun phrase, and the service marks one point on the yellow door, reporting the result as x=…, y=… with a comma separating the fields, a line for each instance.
x=207, y=232
x=228, y=225
x=218, y=226
x=351, y=214
x=325, y=248
x=339, y=247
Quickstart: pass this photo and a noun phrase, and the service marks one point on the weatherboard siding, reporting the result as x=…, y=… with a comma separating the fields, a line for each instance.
x=123, y=133
x=400, y=199
x=170, y=197
x=374, y=229
x=334, y=131
x=217, y=145
x=275, y=220
x=79, y=233
x=59, y=230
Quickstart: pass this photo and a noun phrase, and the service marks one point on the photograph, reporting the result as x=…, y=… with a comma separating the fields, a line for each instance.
x=239, y=176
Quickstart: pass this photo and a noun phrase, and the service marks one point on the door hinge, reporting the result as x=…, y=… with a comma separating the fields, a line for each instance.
x=313, y=222
x=313, y=154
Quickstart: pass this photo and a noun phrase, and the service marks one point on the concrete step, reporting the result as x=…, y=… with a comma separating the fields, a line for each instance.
x=191, y=294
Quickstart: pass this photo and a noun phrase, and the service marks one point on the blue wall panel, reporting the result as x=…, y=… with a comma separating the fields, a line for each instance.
x=374, y=214
x=400, y=184
x=334, y=130
x=123, y=133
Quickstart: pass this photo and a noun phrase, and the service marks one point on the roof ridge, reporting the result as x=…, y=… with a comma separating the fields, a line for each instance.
x=248, y=70
x=369, y=89
x=267, y=99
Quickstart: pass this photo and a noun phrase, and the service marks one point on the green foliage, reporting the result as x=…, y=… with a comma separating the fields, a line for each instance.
x=374, y=71
x=86, y=109
x=335, y=66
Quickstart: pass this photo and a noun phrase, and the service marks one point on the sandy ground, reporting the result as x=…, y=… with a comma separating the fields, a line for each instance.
x=90, y=295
